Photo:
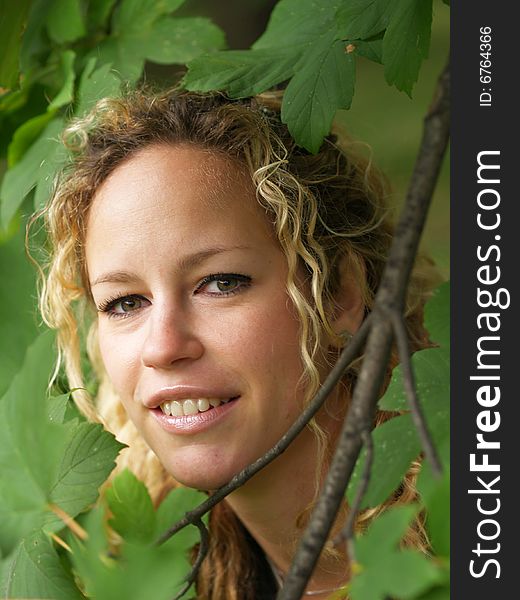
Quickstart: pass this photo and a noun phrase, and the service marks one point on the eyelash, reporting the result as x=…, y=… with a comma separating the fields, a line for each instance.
x=244, y=280
x=109, y=304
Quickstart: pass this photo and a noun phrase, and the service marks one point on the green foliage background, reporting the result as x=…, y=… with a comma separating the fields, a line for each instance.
x=57, y=58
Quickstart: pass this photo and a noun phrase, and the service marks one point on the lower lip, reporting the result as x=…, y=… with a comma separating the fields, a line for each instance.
x=189, y=424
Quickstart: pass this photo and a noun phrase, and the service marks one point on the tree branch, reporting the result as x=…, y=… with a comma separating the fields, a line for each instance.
x=347, y=533
x=403, y=348
x=391, y=296
x=201, y=555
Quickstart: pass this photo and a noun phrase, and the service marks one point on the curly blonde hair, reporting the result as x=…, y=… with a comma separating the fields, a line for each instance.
x=325, y=208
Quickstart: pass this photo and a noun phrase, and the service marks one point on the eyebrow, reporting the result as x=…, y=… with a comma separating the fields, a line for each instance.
x=185, y=263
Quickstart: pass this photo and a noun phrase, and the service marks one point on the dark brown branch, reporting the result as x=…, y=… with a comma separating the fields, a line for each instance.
x=349, y=354
x=403, y=348
x=201, y=555
x=391, y=296
x=347, y=533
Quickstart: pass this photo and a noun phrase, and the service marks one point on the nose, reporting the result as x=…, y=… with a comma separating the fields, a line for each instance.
x=170, y=338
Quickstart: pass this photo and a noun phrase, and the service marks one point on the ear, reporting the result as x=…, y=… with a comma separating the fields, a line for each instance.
x=349, y=305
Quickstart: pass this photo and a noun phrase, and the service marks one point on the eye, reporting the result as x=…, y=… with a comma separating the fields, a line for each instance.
x=122, y=306
x=223, y=284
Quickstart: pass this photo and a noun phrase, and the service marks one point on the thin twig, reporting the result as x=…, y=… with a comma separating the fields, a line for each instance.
x=359, y=418
x=349, y=354
x=61, y=542
x=403, y=348
x=391, y=296
x=73, y=525
x=347, y=533
x=201, y=555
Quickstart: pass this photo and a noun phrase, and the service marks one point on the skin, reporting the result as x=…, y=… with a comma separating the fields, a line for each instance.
x=167, y=218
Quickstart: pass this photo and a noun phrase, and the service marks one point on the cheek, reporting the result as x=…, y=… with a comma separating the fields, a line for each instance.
x=269, y=347
x=119, y=359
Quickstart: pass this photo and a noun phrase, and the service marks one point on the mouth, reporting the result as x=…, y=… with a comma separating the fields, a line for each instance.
x=192, y=406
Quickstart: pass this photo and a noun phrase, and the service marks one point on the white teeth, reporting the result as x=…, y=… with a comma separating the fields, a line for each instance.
x=190, y=406
x=177, y=410
x=203, y=404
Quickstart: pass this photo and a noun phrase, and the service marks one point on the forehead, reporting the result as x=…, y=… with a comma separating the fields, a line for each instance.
x=180, y=168
x=167, y=182
x=176, y=196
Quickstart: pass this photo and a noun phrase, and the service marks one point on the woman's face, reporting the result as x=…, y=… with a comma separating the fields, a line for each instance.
x=194, y=317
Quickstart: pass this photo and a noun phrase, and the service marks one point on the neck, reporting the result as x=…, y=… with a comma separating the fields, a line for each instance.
x=272, y=504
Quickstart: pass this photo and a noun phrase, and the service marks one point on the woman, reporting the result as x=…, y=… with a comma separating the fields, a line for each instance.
x=227, y=268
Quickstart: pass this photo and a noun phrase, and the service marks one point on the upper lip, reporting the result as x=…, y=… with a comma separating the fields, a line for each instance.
x=183, y=392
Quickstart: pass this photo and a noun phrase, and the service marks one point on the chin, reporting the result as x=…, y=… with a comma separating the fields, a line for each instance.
x=201, y=474
x=200, y=481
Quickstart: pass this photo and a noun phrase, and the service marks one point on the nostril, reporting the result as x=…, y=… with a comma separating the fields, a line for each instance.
x=169, y=349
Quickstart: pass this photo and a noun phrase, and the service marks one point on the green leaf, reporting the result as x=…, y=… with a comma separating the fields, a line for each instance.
x=31, y=448
x=12, y=20
x=240, y=72
x=57, y=407
x=31, y=171
x=361, y=19
x=122, y=54
x=400, y=575
x=178, y=502
x=96, y=84
x=435, y=495
x=25, y=136
x=384, y=534
x=134, y=517
x=35, y=571
x=396, y=445
x=98, y=12
x=431, y=368
x=298, y=24
x=142, y=31
x=396, y=442
x=42, y=462
x=323, y=83
x=302, y=40
x=437, y=316
x=180, y=40
x=49, y=167
x=132, y=16
x=129, y=577
x=13, y=100
x=35, y=42
x=18, y=299
x=406, y=42
x=132, y=508
x=66, y=94
x=65, y=21
x=88, y=458
x=371, y=49
x=385, y=570
x=437, y=593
